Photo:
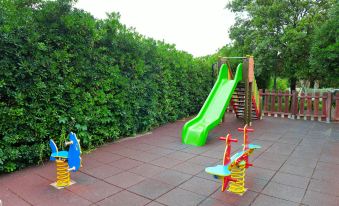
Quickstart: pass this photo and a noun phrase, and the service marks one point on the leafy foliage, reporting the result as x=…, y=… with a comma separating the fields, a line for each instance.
x=325, y=50
x=281, y=34
x=63, y=70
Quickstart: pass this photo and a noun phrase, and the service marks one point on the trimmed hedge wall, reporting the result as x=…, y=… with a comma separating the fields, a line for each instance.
x=63, y=70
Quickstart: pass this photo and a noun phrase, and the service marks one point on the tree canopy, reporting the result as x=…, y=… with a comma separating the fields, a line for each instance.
x=282, y=34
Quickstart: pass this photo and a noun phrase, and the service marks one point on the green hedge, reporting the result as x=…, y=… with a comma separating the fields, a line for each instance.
x=63, y=70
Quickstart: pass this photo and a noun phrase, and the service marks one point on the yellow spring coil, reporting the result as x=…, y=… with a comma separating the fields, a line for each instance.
x=238, y=173
x=63, y=175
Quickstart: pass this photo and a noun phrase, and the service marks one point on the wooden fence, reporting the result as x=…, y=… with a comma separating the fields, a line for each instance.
x=300, y=106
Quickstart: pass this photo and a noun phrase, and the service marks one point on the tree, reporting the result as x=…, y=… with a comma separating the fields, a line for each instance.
x=278, y=33
x=325, y=50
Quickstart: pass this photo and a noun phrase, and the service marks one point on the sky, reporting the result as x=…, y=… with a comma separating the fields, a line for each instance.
x=199, y=27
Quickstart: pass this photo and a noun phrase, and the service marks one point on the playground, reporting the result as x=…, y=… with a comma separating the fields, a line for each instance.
x=296, y=165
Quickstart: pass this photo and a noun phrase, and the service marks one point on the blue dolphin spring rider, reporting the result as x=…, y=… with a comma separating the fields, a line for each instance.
x=66, y=161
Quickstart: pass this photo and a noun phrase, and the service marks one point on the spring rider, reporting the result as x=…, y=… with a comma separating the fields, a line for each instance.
x=66, y=161
x=232, y=171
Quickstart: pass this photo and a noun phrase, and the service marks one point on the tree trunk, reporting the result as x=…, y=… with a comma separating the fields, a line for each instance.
x=293, y=84
x=312, y=82
x=275, y=82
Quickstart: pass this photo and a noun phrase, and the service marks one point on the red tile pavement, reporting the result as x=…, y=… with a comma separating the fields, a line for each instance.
x=296, y=165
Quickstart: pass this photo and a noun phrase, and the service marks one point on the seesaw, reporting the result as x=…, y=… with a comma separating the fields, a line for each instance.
x=232, y=171
x=66, y=161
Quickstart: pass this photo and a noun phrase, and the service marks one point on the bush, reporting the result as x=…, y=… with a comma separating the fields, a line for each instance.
x=63, y=70
x=282, y=84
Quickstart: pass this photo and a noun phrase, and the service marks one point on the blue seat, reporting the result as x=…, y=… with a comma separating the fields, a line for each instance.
x=61, y=154
x=253, y=146
x=219, y=170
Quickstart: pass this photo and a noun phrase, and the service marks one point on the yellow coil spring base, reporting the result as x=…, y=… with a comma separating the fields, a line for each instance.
x=63, y=175
x=238, y=173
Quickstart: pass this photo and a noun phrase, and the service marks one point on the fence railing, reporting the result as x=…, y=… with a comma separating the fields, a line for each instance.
x=310, y=106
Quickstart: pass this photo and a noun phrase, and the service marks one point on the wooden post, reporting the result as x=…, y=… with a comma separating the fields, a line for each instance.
x=266, y=102
x=280, y=103
x=262, y=102
x=286, y=112
x=324, y=106
x=309, y=106
x=302, y=100
x=316, y=106
x=328, y=107
x=336, y=112
x=248, y=91
x=273, y=102
x=294, y=107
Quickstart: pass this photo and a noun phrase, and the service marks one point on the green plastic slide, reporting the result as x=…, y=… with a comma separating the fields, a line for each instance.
x=196, y=130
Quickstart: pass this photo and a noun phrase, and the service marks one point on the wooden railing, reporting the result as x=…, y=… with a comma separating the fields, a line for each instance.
x=300, y=106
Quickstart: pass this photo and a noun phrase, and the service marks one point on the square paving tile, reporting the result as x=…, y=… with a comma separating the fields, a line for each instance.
x=89, y=162
x=145, y=156
x=200, y=186
x=281, y=158
x=297, y=170
x=311, y=163
x=234, y=199
x=255, y=184
x=106, y=157
x=281, y=148
x=329, y=176
x=204, y=161
x=165, y=162
x=10, y=199
x=267, y=164
x=96, y=191
x=141, y=147
x=331, y=188
x=264, y=200
x=154, y=203
x=172, y=177
x=319, y=199
x=261, y=173
x=103, y=171
x=147, y=170
x=294, y=140
x=213, y=202
x=82, y=178
x=67, y=199
x=291, y=180
x=194, y=150
x=125, y=179
x=150, y=188
x=161, y=151
x=284, y=192
x=124, y=198
x=126, y=163
x=180, y=197
x=213, y=154
x=178, y=155
x=189, y=168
